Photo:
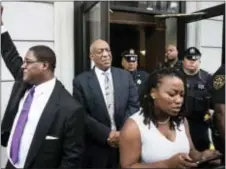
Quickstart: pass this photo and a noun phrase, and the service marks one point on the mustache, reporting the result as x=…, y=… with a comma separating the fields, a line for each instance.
x=106, y=59
x=106, y=56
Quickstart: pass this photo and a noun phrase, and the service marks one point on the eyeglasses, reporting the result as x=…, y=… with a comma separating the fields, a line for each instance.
x=28, y=62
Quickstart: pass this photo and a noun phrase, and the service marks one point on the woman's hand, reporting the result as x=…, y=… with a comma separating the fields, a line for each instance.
x=181, y=160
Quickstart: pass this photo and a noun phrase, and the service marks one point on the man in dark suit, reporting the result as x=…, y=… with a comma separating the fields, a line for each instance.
x=109, y=95
x=43, y=126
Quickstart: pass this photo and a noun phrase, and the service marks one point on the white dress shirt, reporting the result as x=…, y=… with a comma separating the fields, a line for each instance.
x=3, y=29
x=101, y=78
x=40, y=99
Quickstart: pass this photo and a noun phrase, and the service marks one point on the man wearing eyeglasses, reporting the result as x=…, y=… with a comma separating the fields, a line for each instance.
x=43, y=124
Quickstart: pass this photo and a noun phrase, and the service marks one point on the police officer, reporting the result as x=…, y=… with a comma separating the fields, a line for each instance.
x=129, y=63
x=218, y=94
x=198, y=98
x=171, y=58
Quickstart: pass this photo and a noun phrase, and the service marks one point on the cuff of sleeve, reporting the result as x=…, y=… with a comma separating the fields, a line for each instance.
x=3, y=29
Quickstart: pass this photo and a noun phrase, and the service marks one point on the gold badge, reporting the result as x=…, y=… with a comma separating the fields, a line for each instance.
x=218, y=81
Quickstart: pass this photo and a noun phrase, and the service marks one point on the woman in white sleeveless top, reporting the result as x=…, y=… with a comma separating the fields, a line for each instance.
x=158, y=135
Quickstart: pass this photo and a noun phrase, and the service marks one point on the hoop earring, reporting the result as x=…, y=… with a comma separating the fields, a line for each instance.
x=153, y=97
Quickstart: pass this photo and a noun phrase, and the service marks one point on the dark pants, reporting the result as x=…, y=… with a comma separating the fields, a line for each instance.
x=113, y=161
x=219, y=145
x=9, y=165
x=211, y=166
x=199, y=134
x=102, y=159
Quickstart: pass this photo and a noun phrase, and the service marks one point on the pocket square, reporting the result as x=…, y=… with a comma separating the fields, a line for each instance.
x=51, y=138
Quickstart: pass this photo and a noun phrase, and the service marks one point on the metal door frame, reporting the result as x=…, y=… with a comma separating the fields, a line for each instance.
x=209, y=13
x=81, y=57
x=182, y=21
x=82, y=61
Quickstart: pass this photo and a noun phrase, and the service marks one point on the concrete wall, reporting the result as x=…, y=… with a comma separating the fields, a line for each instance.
x=206, y=35
x=33, y=23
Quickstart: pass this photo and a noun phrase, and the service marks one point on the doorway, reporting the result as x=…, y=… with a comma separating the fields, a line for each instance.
x=147, y=42
x=123, y=37
x=139, y=32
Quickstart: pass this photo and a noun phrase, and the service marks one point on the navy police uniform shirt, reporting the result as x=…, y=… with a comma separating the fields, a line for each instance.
x=198, y=102
x=198, y=94
x=177, y=65
x=140, y=77
x=218, y=94
x=218, y=91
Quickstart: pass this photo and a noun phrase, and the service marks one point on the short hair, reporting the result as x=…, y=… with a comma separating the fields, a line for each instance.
x=45, y=54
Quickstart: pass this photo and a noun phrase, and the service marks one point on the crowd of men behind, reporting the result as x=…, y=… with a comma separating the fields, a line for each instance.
x=44, y=126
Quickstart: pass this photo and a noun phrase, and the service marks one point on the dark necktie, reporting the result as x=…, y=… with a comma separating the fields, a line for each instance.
x=15, y=144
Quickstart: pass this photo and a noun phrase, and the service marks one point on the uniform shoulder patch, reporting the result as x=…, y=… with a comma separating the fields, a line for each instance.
x=218, y=81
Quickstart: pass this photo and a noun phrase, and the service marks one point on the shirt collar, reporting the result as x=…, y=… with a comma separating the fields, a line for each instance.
x=43, y=87
x=100, y=72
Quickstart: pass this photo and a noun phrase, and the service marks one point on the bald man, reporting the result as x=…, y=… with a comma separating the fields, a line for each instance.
x=110, y=96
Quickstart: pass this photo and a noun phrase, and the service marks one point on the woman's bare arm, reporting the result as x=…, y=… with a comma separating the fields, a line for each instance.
x=130, y=148
x=194, y=154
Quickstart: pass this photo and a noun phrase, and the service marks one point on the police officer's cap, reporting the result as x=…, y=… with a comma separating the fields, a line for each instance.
x=192, y=53
x=130, y=56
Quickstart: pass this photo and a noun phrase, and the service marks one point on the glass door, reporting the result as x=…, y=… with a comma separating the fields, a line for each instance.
x=96, y=24
x=200, y=24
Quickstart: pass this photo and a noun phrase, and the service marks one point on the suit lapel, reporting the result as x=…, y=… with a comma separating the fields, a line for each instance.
x=116, y=79
x=96, y=90
x=44, y=123
x=18, y=92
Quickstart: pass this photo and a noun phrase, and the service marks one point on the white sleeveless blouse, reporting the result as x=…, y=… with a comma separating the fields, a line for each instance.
x=155, y=146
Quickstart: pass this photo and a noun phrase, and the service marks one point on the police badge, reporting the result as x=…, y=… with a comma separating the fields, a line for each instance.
x=192, y=51
x=139, y=81
x=218, y=81
x=131, y=51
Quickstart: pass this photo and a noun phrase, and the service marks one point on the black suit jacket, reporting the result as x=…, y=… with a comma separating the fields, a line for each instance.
x=62, y=117
x=97, y=122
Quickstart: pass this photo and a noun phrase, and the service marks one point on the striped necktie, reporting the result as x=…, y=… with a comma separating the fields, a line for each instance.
x=109, y=96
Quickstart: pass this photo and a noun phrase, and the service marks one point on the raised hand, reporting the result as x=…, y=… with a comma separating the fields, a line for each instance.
x=1, y=14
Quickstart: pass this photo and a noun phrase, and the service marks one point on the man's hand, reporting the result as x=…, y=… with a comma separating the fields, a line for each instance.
x=1, y=15
x=113, y=139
